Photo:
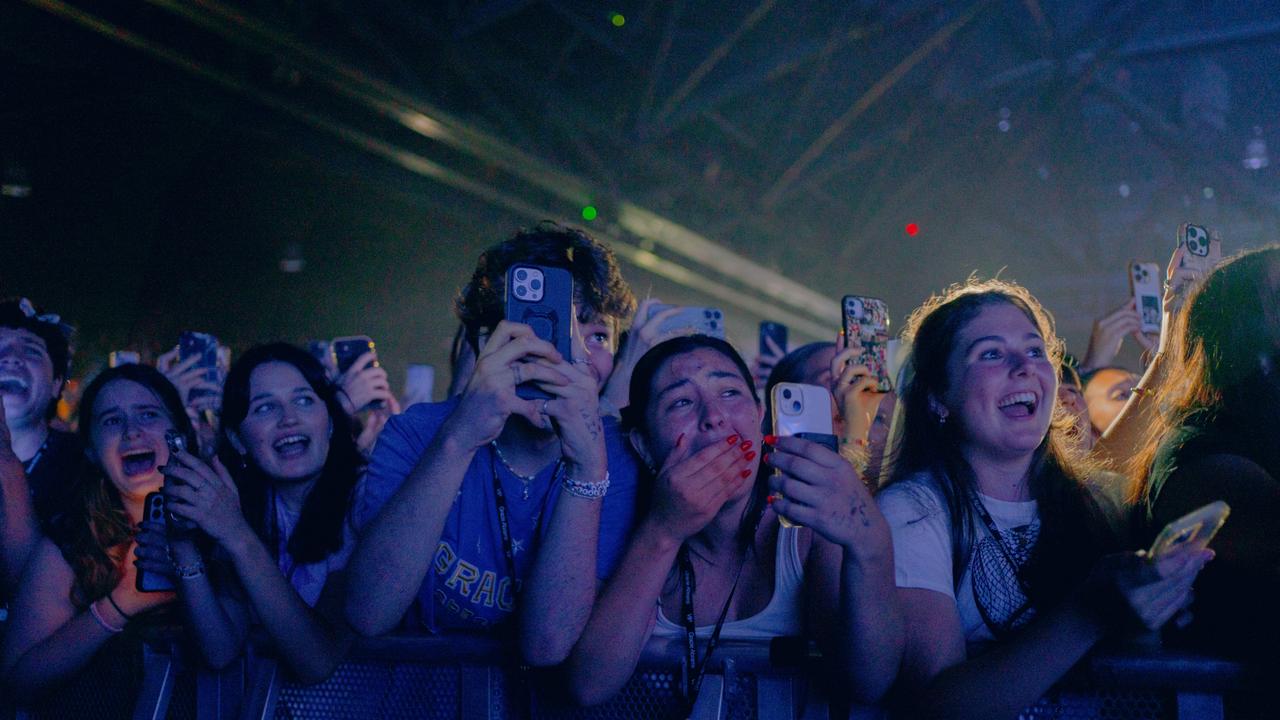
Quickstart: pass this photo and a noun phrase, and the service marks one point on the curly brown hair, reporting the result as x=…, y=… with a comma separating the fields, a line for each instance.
x=596, y=276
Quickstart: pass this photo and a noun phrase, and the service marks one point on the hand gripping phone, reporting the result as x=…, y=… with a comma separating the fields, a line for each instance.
x=696, y=320
x=205, y=347
x=866, y=325
x=144, y=581
x=1145, y=283
x=542, y=298
x=803, y=411
x=777, y=332
x=1203, y=247
x=1195, y=529
x=345, y=352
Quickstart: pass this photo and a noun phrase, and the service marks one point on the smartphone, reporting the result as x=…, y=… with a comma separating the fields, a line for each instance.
x=542, y=298
x=1196, y=529
x=804, y=411
x=895, y=355
x=346, y=350
x=144, y=581
x=205, y=347
x=419, y=383
x=777, y=332
x=697, y=320
x=866, y=324
x=177, y=442
x=1144, y=282
x=1204, y=247
x=123, y=357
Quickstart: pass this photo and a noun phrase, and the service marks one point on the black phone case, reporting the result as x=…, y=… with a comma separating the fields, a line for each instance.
x=346, y=352
x=152, y=509
x=775, y=331
x=831, y=441
x=550, y=316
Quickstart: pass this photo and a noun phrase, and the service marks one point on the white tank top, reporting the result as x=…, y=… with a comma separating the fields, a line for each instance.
x=781, y=617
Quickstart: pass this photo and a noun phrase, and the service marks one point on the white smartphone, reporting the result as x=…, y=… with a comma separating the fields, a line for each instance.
x=1145, y=283
x=804, y=411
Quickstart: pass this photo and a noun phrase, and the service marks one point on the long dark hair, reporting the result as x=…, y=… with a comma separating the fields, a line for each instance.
x=318, y=533
x=634, y=416
x=1073, y=532
x=1225, y=356
x=94, y=532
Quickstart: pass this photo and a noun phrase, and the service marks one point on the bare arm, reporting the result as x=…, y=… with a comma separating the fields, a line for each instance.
x=1128, y=431
x=622, y=620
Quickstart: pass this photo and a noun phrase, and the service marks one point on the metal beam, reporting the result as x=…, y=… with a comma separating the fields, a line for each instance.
x=869, y=98
x=720, y=52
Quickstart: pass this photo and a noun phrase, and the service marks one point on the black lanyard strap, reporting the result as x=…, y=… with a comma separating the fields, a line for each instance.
x=1015, y=566
x=692, y=670
x=504, y=518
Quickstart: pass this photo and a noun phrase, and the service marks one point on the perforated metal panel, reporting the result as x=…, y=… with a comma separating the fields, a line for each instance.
x=375, y=690
x=1104, y=705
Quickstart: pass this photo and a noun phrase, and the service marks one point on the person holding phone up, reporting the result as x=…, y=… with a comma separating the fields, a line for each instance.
x=492, y=506
x=709, y=559
x=1001, y=553
x=1214, y=438
x=78, y=594
x=275, y=510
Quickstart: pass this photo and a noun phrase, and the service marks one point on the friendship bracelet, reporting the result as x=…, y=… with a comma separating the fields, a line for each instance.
x=127, y=617
x=189, y=572
x=588, y=490
x=93, y=610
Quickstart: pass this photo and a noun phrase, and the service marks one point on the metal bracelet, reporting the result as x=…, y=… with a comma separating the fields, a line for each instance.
x=588, y=490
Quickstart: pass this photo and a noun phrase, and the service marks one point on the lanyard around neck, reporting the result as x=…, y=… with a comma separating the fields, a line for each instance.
x=692, y=670
x=504, y=518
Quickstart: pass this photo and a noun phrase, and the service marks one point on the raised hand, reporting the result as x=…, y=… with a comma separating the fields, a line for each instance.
x=489, y=397
x=1154, y=590
x=820, y=490
x=185, y=376
x=363, y=384
x=126, y=594
x=1109, y=332
x=205, y=495
x=693, y=486
x=856, y=393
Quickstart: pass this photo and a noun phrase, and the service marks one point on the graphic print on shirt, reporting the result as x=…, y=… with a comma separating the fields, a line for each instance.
x=996, y=589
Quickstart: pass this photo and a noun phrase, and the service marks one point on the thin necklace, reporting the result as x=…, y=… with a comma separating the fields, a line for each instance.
x=524, y=479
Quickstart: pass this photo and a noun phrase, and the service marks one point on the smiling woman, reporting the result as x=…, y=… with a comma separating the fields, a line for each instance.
x=998, y=544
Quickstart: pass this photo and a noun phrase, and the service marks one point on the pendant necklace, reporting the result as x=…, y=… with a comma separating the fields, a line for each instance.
x=525, y=480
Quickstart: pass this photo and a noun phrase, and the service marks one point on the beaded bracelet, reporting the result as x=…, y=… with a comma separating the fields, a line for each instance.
x=189, y=572
x=93, y=610
x=588, y=490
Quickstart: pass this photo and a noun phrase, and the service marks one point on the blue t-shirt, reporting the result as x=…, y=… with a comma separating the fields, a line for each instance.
x=467, y=586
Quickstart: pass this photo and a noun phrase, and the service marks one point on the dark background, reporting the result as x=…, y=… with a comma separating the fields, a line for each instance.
x=174, y=157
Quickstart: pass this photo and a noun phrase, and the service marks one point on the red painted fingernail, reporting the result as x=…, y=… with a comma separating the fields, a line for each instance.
x=768, y=457
x=770, y=439
x=751, y=455
x=731, y=439
x=746, y=445
x=769, y=500
x=746, y=473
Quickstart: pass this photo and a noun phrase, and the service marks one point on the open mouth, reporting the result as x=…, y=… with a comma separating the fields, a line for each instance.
x=10, y=385
x=138, y=463
x=291, y=446
x=1018, y=405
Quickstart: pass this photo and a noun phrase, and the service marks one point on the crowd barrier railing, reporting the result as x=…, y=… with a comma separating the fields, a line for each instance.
x=473, y=678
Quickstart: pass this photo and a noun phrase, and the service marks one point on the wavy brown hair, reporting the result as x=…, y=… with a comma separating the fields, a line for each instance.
x=1073, y=531
x=94, y=532
x=1224, y=351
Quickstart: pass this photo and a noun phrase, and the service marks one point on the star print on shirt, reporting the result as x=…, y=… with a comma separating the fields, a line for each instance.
x=516, y=546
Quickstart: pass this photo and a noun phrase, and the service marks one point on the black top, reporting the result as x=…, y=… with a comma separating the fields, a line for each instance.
x=51, y=473
x=1237, y=602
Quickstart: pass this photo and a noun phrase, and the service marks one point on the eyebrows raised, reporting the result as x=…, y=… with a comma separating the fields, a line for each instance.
x=714, y=374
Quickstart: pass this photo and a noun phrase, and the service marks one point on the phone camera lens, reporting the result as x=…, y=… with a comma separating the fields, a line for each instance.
x=521, y=291
x=786, y=394
x=522, y=274
x=536, y=284
x=795, y=406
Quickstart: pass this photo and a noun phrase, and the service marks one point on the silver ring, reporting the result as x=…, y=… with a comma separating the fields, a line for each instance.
x=543, y=409
x=515, y=370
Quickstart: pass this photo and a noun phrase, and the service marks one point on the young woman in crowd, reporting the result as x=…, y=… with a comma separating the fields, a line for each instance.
x=1216, y=440
x=709, y=536
x=78, y=591
x=279, y=519
x=999, y=549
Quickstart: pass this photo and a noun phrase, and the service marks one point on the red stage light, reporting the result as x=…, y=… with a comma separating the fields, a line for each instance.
x=912, y=229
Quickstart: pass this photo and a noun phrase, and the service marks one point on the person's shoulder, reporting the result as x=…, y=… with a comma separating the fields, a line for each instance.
x=422, y=416
x=919, y=492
